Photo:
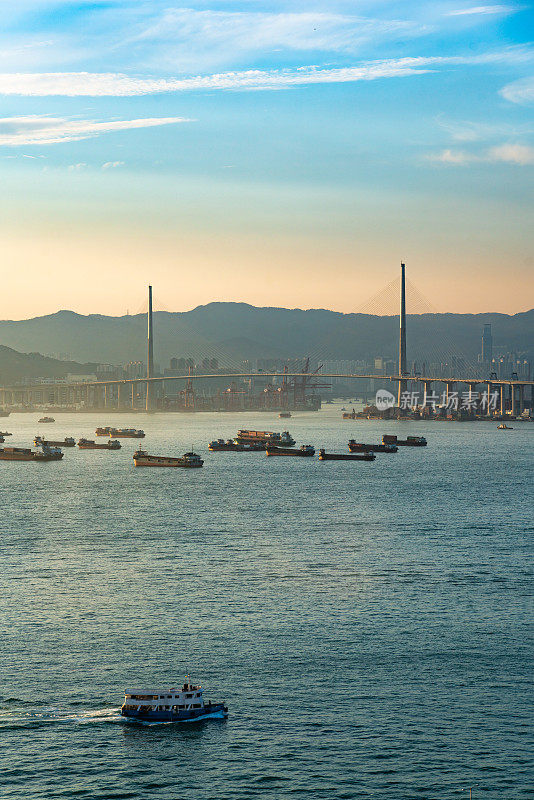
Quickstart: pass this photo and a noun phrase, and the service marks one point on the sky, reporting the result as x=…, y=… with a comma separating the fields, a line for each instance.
x=276, y=153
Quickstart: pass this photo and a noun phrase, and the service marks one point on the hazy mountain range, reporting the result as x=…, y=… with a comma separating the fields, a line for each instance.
x=233, y=332
x=15, y=365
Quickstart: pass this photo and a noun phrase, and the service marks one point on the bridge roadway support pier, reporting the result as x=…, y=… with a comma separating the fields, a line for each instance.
x=133, y=395
x=449, y=389
x=521, y=398
x=403, y=387
x=472, y=388
x=427, y=390
x=489, y=410
x=512, y=399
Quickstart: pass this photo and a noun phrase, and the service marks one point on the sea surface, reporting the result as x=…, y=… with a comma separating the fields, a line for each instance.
x=366, y=623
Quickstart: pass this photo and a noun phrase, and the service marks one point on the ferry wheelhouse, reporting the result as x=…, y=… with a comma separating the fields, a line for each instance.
x=172, y=705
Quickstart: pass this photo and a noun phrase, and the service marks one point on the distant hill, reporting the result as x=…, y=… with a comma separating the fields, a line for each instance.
x=14, y=366
x=232, y=332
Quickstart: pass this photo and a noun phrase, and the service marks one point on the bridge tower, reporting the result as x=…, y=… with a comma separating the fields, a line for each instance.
x=150, y=356
x=403, y=384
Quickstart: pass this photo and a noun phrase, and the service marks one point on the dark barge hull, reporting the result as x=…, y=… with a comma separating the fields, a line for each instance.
x=238, y=448
x=372, y=448
x=347, y=456
x=46, y=443
x=289, y=451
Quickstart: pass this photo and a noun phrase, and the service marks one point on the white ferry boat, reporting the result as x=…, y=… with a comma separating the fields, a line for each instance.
x=172, y=705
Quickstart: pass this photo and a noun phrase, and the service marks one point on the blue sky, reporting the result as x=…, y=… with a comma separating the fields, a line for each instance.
x=278, y=153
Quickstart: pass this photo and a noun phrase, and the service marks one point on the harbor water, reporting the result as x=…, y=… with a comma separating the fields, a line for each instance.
x=366, y=623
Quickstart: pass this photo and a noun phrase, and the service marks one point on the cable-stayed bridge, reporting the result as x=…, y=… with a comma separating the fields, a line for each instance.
x=513, y=393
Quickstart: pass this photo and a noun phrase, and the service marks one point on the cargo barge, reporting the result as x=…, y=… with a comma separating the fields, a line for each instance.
x=68, y=441
x=232, y=446
x=45, y=419
x=410, y=441
x=357, y=447
x=283, y=439
x=89, y=444
x=189, y=460
x=364, y=456
x=303, y=450
x=123, y=433
x=26, y=454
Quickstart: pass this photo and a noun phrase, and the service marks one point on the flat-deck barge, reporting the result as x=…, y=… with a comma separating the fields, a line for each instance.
x=89, y=444
x=123, y=433
x=188, y=460
x=283, y=439
x=410, y=441
x=26, y=454
x=68, y=441
x=233, y=446
x=304, y=450
x=356, y=447
x=365, y=456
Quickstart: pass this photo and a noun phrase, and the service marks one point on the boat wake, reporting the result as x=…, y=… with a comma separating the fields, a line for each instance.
x=13, y=714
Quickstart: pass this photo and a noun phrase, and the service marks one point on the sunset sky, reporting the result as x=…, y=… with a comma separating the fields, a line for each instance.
x=277, y=153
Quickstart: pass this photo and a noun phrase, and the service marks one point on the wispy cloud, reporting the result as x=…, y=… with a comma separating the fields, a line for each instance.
x=518, y=154
x=497, y=9
x=112, y=84
x=186, y=36
x=29, y=130
x=521, y=154
x=112, y=164
x=458, y=157
x=521, y=91
x=468, y=131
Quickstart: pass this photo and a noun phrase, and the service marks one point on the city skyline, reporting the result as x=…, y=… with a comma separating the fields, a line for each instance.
x=279, y=154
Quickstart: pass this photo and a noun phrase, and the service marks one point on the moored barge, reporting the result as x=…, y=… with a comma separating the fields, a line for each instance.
x=410, y=441
x=46, y=419
x=189, y=460
x=303, y=450
x=233, y=446
x=123, y=433
x=283, y=439
x=68, y=441
x=89, y=444
x=357, y=447
x=26, y=454
x=364, y=456
x=171, y=705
